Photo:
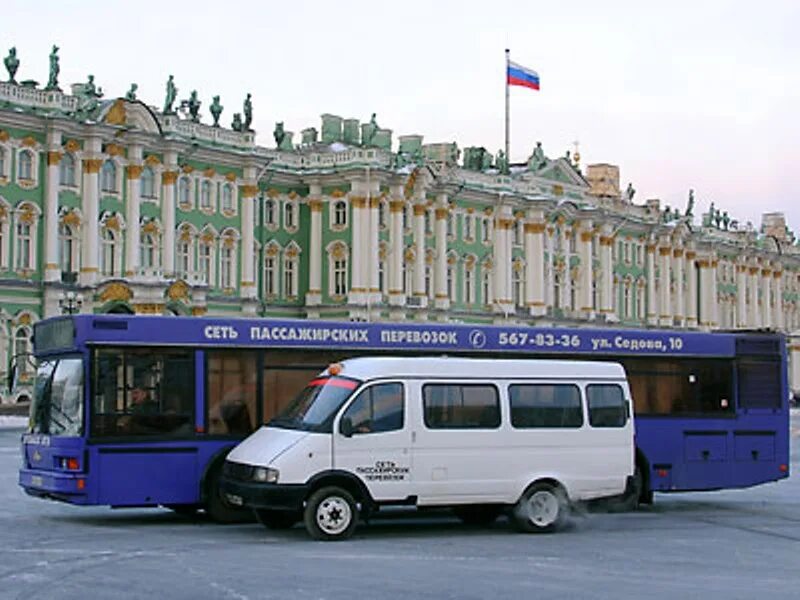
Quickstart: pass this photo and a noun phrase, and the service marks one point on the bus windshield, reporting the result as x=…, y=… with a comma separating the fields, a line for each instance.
x=57, y=406
x=316, y=406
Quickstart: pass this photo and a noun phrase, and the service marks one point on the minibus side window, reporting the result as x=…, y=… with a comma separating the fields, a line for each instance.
x=545, y=406
x=452, y=406
x=377, y=409
x=607, y=406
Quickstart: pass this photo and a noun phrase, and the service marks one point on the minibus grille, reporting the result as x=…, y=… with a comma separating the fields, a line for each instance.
x=234, y=470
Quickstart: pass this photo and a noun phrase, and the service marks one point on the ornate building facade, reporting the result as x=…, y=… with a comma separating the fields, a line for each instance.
x=141, y=209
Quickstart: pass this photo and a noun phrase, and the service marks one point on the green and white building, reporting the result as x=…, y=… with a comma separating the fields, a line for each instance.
x=140, y=210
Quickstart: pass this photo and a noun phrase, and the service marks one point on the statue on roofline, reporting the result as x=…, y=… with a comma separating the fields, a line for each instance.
x=248, y=113
x=172, y=93
x=52, y=81
x=12, y=64
x=216, y=110
x=131, y=94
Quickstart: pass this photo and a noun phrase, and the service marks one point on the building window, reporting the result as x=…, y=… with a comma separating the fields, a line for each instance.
x=66, y=170
x=108, y=257
x=22, y=349
x=226, y=265
x=428, y=281
x=557, y=290
x=148, y=183
x=406, y=217
x=486, y=232
x=487, y=286
x=270, y=277
x=108, y=177
x=184, y=192
x=25, y=171
x=147, y=251
x=451, y=224
x=205, y=195
x=382, y=215
x=184, y=258
x=204, y=263
x=340, y=214
x=24, y=247
x=2, y=162
x=451, y=281
x=289, y=215
x=627, y=300
x=428, y=223
x=340, y=277
x=269, y=212
x=468, y=221
x=290, y=277
x=227, y=197
x=516, y=286
x=382, y=276
x=518, y=233
x=68, y=243
x=469, y=284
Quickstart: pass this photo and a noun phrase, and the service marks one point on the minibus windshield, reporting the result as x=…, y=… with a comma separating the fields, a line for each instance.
x=316, y=406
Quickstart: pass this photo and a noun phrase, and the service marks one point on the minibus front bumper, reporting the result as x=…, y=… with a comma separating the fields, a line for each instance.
x=274, y=496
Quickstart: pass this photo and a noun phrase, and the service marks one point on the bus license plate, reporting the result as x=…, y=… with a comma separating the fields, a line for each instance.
x=37, y=480
x=235, y=500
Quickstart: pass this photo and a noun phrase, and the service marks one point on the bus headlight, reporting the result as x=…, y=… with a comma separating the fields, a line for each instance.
x=265, y=475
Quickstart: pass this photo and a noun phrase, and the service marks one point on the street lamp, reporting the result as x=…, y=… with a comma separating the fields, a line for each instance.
x=70, y=303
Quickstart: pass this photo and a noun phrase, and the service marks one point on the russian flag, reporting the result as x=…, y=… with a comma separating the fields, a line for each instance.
x=518, y=75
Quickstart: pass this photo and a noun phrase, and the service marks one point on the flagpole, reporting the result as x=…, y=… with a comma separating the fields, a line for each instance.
x=508, y=156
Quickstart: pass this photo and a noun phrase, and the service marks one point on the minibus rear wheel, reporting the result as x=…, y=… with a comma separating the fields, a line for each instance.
x=542, y=508
x=277, y=519
x=331, y=514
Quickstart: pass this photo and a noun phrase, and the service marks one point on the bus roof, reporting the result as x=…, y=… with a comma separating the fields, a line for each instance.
x=381, y=367
x=60, y=334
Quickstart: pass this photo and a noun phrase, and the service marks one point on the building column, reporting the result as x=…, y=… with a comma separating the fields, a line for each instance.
x=766, y=304
x=652, y=308
x=691, y=289
x=169, y=177
x=419, y=253
x=741, y=295
x=397, y=204
x=534, y=264
x=52, y=268
x=372, y=247
x=714, y=293
x=315, y=207
x=501, y=251
x=550, y=281
x=753, y=314
x=357, y=228
x=441, y=297
x=778, y=311
x=90, y=207
x=585, y=253
x=665, y=277
x=247, y=194
x=134, y=173
x=607, y=268
x=680, y=310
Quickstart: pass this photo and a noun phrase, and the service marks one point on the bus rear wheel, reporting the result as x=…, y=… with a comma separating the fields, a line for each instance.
x=276, y=519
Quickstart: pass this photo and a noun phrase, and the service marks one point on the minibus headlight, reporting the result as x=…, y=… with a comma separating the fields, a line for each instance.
x=265, y=475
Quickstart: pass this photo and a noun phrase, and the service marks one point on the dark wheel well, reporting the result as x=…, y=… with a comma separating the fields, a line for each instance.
x=644, y=469
x=214, y=462
x=548, y=480
x=347, y=482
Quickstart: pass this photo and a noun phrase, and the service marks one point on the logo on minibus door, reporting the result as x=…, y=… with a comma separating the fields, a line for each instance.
x=383, y=470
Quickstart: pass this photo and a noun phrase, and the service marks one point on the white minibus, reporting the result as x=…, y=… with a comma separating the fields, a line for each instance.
x=527, y=437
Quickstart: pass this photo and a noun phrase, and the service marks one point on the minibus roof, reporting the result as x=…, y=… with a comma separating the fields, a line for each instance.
x=382, y=367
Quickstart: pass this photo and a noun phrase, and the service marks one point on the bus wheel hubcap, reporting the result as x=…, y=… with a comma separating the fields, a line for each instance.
x=334, y=515
x=543, y=508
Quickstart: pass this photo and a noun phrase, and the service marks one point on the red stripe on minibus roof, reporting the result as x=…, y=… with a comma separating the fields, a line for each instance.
x=345, y=383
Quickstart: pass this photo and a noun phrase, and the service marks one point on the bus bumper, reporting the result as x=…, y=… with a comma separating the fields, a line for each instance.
x=250, y=494
x=69, y=487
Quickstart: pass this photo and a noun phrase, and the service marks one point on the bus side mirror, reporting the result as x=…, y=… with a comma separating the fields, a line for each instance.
x=346, y=427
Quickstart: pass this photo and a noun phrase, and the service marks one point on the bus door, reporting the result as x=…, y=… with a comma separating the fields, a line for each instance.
x=143, y=448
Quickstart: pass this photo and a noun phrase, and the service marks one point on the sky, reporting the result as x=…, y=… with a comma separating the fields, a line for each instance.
x=701, y=94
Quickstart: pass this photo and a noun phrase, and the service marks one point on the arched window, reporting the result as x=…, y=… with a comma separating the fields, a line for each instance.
x=517, y=285
x=557, y=290
x=68, y=244
x=337, y=269
x=451, y=278
x=428, y=222
x=147, y=250
x=406, y=217
x=290, y=276
x=227, y=197
x=382, y=215
x=486, y=231
x=148, y=183
x=270, y=276
x=627, y=300
x=487, y=286
x=451, y=224
x=24, y=247
x=468, y=221
x=25, y=165
x=66, y=170
x=108, y=257
x=108, y=177
x=469, y=283
x=184, y=192
x=3, y=162
x=428, y=281
x=205, y=195
x=340, y=213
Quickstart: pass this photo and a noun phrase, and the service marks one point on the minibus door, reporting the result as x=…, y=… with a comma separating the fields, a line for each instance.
x=372, y=440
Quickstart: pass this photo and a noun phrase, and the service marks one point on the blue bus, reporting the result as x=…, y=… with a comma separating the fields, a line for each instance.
x=141, y=411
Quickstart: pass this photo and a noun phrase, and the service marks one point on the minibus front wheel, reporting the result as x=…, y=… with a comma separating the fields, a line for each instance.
x=541, y=509
x=331, y=514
